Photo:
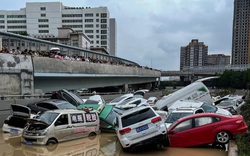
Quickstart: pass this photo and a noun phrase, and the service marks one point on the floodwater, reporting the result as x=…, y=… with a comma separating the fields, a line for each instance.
x=105, y=144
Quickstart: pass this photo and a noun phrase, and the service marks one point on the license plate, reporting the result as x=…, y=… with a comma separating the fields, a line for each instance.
x=28, y=143
x=13, y=131
x=142, y=128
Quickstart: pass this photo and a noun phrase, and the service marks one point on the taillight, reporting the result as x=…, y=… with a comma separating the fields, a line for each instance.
x=156, y=119
x=125, y=130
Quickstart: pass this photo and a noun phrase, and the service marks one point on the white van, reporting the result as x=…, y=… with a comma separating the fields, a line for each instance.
x=195, y=91
x=61, y=125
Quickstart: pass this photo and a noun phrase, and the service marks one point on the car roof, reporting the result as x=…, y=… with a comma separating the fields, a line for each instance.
x=186, y=109
x=202, y=115
x=67, y=111
x=53, y=101
x=134, y=109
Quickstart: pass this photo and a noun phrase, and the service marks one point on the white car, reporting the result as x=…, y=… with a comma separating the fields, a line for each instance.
x=120, y=99
x=208, y=108
x=140, y=126
x=152, y=100
x=18, y=119
x=180, y=113
x=132, y=102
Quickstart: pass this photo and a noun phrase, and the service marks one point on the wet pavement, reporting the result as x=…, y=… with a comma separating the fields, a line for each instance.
x=105, y=144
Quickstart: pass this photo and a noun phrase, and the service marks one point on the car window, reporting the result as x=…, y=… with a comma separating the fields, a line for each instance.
x=137, y=117
x=185, y=125
x=203, y=121
x=175, y=116
x=226, y=103
x=199, y=111
x=63, y=120
x=66, y=106
x=69, y=99
x=48, y=117
x=76, y=118
x=90, y=117
x=209, y=108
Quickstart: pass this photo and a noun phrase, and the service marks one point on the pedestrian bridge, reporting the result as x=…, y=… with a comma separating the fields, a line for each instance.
x=25, y=75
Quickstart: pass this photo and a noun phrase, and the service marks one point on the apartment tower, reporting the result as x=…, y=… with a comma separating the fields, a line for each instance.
x=241, y=36
x=193, y=55
x=42, y=20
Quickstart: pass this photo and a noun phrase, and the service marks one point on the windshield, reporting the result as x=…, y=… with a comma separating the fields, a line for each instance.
x=209, y=108
x=226, y=103
x=111, y=117
x=48, y=117
x=175, y=116
x=66, y=106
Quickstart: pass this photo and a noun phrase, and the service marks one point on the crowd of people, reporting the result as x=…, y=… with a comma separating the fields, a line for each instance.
x=58, y=55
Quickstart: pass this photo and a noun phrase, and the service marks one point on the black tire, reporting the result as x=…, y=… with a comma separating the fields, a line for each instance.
x=51, y=142
x=92, y=135
x=222, y=137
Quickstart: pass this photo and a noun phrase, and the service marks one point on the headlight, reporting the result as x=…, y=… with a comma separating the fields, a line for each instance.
x=43, y=132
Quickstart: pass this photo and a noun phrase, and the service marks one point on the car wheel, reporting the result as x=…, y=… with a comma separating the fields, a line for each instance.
x=92, y=136
x=222, y=137
x=51, y=142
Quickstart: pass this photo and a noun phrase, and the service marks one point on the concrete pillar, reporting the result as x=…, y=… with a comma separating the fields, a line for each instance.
x=125, y=88
x=1, y=43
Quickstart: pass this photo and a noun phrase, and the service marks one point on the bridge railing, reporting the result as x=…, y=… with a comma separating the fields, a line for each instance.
x=217, y=68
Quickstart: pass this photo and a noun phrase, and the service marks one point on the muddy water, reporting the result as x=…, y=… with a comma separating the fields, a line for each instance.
x=105, y=144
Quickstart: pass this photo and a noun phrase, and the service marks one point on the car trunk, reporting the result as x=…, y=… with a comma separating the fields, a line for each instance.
x=19, y=116
x=17, y=121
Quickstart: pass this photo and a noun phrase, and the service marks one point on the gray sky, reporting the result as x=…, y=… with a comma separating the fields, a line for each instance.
x=151, y=32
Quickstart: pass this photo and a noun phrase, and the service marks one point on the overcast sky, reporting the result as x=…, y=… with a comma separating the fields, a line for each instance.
x=151, y=32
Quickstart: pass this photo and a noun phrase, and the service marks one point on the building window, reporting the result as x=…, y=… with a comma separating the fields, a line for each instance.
x=71, y=15
x=103, y=31
x=89, y=20
x=1, y=16
x=97, y=42
x=89, y=25
x=104, y=15
x=16, y=21
x=71, y=21
x=90, y=36
x=75, y=43
x=103, y=42
x=97, y=36
x=2, y=26
x=97, y=20
x=103, y=20
x=97, y=25
x=89, y=31
x=43, y=20
x=1, y=21
x=97, y=31
x=43, y=8
x=104, y=26
x=17, y=27
x=43, y=31
x=103, y=36
x=43, y=15
x=43, y=26
x=88, y=15
x=16, y=16
x=97, y=14
x=72, y=26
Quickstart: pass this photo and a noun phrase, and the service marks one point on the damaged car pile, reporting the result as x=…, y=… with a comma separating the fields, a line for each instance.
x=185, y=118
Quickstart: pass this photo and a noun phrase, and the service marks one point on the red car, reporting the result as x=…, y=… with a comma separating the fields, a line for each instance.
x=205, y=128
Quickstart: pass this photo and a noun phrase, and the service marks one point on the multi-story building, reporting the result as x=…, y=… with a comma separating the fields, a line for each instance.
x=218, y=59
x=41, y=20
x=241, y=35
x=193, y=55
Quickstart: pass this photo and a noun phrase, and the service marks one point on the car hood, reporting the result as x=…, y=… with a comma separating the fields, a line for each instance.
x=36, y=121
x=223, y=112
x=21, y=110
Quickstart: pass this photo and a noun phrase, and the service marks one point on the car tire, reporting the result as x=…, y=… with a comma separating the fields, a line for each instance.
x=51, y=141
x=223, y=137
x=92, y=135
